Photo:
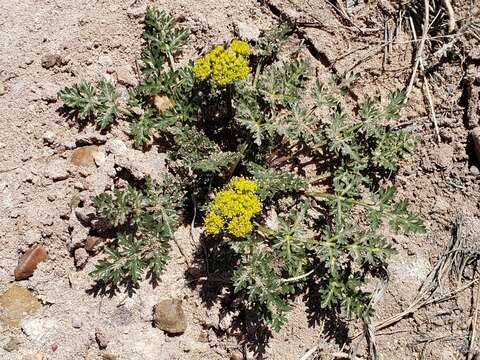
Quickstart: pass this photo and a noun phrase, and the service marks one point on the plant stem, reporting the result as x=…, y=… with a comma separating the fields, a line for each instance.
x=257, y=74
x=328, y=196
x=171, y=62
x=386, y=211
x=321, y=177
x=299, y=277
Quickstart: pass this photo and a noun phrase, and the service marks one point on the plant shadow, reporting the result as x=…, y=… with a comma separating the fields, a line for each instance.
x=210, y=275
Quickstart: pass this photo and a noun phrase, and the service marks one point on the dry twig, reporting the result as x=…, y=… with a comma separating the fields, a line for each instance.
x=427, y=88
x=420, y=49
x=450, y=14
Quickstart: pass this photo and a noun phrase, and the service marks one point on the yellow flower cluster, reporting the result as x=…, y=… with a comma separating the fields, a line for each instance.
x=233, y=208
x=224, y=65
x=240, y=47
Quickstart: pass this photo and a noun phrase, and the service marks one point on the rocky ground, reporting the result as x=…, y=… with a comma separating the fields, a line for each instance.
x=50, y=167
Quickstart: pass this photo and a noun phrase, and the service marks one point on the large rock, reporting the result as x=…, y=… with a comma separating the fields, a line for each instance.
x=84, y=156
x=125, y=76
x=27, y=264
x=39, y=329
x=16, y=304
x=140, y=164
x=168, y=316
x=57, y=170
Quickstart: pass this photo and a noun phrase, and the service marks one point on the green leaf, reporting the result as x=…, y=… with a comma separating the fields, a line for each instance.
x=271, y=182
x=163, y=36
x=283, y=85
x=88, y=101
x=145, y=221
x=299, y=125
x=264, y=289
x=217, y=162
x=269, y=44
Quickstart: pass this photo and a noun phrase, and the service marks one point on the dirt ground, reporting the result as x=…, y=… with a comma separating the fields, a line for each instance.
x=43, y=194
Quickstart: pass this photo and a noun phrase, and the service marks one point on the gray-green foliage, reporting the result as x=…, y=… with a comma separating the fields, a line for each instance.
x=145, y=221
x=325, y=223
x=87, y=101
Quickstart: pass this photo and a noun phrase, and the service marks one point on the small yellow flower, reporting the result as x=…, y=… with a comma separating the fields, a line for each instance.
x=234, y=208
x=213, y=223
x=223, y=65
x=240, y=47
x=243, y=185
x=202, y=69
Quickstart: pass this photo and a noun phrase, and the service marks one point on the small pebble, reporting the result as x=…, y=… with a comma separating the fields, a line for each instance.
x=48, y=137
x=101, y=339
x=109, y=357
x=51, y=60
x=81, y=257
x=77, y=323
x=474, y=170
x=236, y=356
x=169, y=316
x=29, y=261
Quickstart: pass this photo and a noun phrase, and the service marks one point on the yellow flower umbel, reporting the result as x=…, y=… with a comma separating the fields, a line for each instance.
x=233, y=208
x=240, y=47
x=223, y=65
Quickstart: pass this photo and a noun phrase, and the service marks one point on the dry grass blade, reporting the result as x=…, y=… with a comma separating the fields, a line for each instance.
x=434, y=279
x=369, y=329
x=427, y=88
x=421, y=46
x=473, y=334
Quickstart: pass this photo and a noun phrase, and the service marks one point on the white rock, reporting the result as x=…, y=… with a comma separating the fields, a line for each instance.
x=77, y=323
x=32, y=237
x=81, y=257
x=116, y=147
x=49, y=137
x=85, y=214
x=57, y=170
x=225, y=321
x=247, y=31
x=105, y=60
x=99, y=157
x=141, y=164
x=49, y=92
x=474, y=170
x=135, y=12
x=98, y=182
x=39, y=329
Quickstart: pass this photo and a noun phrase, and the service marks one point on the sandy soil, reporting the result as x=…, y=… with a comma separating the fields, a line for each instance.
x=41, y=191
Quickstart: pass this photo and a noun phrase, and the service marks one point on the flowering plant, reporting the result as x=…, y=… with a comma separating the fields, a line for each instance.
x=299, y=196
x=234, y=208
x=224, y=65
